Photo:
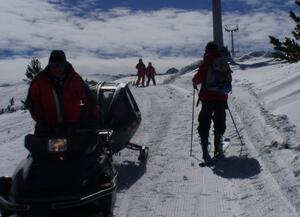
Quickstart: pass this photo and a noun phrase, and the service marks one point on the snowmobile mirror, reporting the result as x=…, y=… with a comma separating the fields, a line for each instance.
x=57, y=145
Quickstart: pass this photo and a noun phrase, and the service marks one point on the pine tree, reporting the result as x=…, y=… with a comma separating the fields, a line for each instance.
x=32, y=70
x=288, y=50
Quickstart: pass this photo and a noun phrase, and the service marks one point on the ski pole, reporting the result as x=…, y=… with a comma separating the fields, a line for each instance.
x=242, y=144
x=193, y=110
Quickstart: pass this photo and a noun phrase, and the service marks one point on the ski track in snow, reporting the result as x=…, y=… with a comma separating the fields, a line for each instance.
x=263, y=181
x=174, y=185
x=268, y=135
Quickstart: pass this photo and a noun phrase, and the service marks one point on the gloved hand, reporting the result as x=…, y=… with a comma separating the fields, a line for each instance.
x=195, y=87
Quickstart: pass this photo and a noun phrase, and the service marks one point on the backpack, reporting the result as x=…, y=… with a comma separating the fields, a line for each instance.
x=218, y=77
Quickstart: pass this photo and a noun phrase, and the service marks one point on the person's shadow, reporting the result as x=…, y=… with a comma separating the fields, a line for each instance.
x=128, y=173
x=237, y=167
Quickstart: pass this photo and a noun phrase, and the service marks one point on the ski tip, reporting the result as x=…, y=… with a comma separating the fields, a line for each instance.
x=206, y=164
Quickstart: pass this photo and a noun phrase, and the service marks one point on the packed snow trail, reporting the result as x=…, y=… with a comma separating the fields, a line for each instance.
x=173, y=184
x=263, y=182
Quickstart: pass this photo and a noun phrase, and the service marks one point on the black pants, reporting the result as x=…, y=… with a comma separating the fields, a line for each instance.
x=149, y=78
x=212, y=110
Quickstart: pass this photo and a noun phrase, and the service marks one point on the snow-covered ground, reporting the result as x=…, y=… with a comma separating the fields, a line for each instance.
x=262, y=178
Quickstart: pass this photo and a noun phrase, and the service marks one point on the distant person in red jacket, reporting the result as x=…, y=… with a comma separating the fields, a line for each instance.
x=59, y=96
x=150, y=73
x=141, y=70
x=213, y=99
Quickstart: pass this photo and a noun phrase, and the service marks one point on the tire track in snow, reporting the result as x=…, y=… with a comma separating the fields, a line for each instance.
x=153, y=125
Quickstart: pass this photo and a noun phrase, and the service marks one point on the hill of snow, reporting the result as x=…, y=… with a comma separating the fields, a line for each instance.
x=259, y=179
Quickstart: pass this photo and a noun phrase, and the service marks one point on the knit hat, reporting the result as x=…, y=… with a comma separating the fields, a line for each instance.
x=211, y=46
x=57, y=56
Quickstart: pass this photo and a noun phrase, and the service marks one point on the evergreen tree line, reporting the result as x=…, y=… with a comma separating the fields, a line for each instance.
x=288, y=49
x=32, y=70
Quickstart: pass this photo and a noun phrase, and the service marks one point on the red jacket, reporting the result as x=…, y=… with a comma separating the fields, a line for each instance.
x=50, y=106
x=150, y=71
x=200, y=77
x=141, y=68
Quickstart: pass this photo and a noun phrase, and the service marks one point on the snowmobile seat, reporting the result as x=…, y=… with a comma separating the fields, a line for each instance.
x=119, y=112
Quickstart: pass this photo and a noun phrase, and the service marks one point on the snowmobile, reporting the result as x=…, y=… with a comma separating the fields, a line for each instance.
x=120, y=112
x=66, y=172
x=70, y=172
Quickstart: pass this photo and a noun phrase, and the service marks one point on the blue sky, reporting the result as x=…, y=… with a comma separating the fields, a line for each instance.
x=171, y=30
x=170, y=15
x=134, y=4
x=228, y=5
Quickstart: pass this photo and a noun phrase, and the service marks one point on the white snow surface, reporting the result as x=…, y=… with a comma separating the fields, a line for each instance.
x=260, y=178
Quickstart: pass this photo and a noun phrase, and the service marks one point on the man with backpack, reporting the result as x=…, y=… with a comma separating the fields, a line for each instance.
x=214, y=75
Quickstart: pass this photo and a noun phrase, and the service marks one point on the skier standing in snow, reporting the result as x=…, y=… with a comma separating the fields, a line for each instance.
x=141, y=70
x=58, y=96
x=150, y=73
x=214, y=102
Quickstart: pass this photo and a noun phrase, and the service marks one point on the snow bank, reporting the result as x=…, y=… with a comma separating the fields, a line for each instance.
x=276, y=85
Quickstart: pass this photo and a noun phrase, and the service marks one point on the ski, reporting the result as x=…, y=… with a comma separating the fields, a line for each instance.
x=212, y=162
x=207, y=163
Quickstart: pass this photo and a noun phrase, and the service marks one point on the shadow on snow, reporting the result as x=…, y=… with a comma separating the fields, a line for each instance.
x=128, y=173
x=235, y=167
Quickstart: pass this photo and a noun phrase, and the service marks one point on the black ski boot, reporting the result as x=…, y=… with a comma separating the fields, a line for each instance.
x=205, y=155
x=218, y=143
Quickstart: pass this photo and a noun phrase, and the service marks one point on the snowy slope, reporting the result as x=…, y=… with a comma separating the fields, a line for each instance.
x=262, y=180
x=174, y=184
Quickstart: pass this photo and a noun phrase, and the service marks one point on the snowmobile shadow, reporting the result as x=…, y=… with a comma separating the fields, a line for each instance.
x=128, y=173
x=237, y=167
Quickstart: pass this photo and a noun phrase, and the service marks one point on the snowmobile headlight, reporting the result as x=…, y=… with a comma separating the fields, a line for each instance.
x=57, y=145
x=107, y=185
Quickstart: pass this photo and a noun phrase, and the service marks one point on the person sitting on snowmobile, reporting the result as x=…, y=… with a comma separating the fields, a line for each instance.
x=214, y=103
x=58, y=96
